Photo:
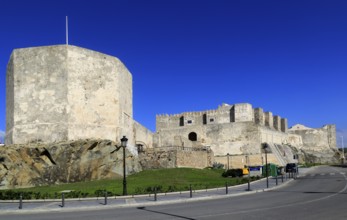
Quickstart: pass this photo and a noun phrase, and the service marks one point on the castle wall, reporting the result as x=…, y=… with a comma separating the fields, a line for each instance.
x=224, y=138
x=196, y=159
x=316, y=139
x=276, y=137
x=142, y=136
x=240, y=161
x=156, y=158
x=67, y=93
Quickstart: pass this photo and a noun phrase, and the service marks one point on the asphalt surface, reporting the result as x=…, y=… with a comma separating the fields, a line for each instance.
x=317, y=193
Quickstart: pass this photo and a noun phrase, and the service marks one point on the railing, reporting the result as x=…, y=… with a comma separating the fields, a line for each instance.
x=171, y=148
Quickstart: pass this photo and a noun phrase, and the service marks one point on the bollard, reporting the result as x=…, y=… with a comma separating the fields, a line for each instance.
x=105, y=198
x=20, y=201
x=62, y=200
x=155, y=193
x=282, y=177
x=276, y=180
x=190, y=188
x=226, y=188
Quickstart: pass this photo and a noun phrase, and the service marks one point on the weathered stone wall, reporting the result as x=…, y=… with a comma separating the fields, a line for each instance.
x=172, y=157
x=196, y=159
x=142, y=136
x=36, y=95
x=63, y=92
x=240, y=161
x=319, y=145
x=320, y=138
x=222, y=138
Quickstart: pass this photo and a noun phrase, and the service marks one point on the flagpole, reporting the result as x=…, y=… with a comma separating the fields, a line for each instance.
x=67, y=31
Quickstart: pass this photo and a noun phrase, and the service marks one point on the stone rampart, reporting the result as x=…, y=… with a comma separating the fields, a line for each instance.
x=172, y=157
x=317, y=139
x=240, y=161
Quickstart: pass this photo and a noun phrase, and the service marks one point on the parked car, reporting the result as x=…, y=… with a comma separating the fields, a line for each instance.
x=291, y=168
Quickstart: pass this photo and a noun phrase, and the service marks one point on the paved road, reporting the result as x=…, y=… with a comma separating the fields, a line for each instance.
x=320, y=193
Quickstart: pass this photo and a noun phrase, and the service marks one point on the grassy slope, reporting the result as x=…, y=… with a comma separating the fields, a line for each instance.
x=165, y=179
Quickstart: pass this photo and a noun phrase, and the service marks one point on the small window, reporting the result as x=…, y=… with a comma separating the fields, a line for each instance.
x=140, y=148
x=189, y=121
x=211, y=119
x=181, y=121
x=204, y=119
x=192, y=136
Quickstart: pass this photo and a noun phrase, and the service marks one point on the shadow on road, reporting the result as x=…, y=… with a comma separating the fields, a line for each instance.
x=164, y=213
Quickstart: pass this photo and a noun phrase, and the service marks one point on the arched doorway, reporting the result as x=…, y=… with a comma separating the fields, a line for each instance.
x=192, y=136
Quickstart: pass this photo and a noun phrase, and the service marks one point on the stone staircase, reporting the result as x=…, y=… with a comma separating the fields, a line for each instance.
x=282, y=154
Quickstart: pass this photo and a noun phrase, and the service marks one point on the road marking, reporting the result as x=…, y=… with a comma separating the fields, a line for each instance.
x=332, y=174
x=343, y=173
x=312, y=174
x=322, y=174
x=280, y=206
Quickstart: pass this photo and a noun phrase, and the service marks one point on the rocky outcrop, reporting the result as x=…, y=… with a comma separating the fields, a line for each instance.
x=314, y=156
x=64, y=162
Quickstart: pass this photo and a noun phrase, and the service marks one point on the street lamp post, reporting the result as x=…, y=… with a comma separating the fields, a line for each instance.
x=265, y=147
x=343, y=151
x=124, y=142
x=249, y=173
x=228, y=159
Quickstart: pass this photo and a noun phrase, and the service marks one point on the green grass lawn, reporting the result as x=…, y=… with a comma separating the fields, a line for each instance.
x=166, y=180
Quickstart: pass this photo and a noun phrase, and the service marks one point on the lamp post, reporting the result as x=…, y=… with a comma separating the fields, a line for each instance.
x=265, y=147
x=228, y=159
x=343, y=151
x=124, y=142
x=249, y=173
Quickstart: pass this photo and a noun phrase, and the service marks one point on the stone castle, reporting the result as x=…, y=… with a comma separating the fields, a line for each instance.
x=65, y=93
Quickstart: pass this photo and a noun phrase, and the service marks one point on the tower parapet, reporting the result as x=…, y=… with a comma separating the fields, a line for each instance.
x=259, y=116
x=284, y=125
x=269, y=119
x=277, y=122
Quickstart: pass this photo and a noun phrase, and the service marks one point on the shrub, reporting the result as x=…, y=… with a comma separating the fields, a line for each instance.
x=233, y=173
x=151, y=189
x=217, y=165
x=171, y=188
x=139, y=190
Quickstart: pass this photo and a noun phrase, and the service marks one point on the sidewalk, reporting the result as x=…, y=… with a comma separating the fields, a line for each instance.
x=142, y=200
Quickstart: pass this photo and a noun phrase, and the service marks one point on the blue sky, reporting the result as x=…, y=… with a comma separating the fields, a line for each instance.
x=287, y=57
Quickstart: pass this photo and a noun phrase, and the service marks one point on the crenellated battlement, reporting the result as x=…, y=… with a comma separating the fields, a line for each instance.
x=225, y=113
